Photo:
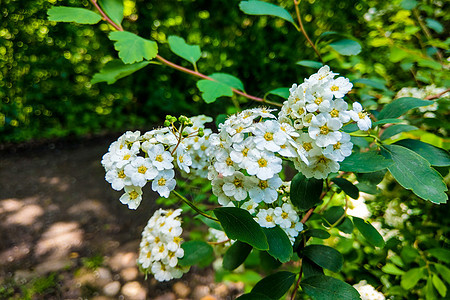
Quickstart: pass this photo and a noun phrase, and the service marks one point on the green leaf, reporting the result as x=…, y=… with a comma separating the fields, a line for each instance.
x=253, y=296
x=228, y=80
x=378, y=84
x=268, y=263
x=323, y=287
x=265, y=8
x=310, y=63
x=305, y=192
x=318, y=233
x=236, y=255
x=348, y=187
x=113, y=9
x=387, y=121
x=444, y=271
x=439, y=285
x=346, y=225
x=435, y=156
x=346, y=47
x=408, y=4
x=396, y=129
x=429, y=290
x=365, y=162
x=369, y=232
x=195, y=252
x=209, y=222
x=333, y=214
x=279, y=245
x=116, y=69
x=73, y=14
x=275, y=285
x=133, y=48
x=324, y=256
x=435, y=25
x=410, y=278
x=441, y=254
x=282, y=92
x=392, y=269
x=401, y=105
x=413, y=172
x=239, y=224
x=211, y=90
x=310, y=268
x=178, y=45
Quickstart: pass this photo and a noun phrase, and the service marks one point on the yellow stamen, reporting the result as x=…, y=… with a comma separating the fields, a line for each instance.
x=142, y=169
x=162, y=181
x=263, y=184
x=334, y=88
x=262, y=162
x=121, y=174
x=334, y=113
x=268, y=136
x=324, y=130
x=159, y=158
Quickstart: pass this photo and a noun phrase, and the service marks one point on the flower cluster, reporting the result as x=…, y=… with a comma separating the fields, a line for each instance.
x=368, y=292
x=160, y=246
x=317, y=110
x=135, y=159
x=423, y=93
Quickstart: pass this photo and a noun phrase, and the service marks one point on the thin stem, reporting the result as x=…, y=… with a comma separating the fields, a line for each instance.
x=192, y=205
x=105, y=17
x=307, y=215
x=432, y=97
x=302, y=29
x=297, y=284
x=219, y=243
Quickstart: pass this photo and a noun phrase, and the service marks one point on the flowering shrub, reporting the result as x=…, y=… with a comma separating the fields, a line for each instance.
x=337, y=148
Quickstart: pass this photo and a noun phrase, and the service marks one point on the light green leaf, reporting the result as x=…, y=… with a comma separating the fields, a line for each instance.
x=413, y=172
x=324, y=256
x=396, y=129
x=116, y=69
x=279, y=245
x=410, y=278
x=310, y=63
x=441, y=254
x=195, y=252
x=392, y=269
x=265, y=8
x=236, y=255
x=369, y=232
x=348, y=187
x=328, y=288
x=444, y=271
x=211, y=90
x=365, y=162
x=408, y=4
x=179, y=46
x=346, y=47
x=387, y=121
x=435, y=25
x=435, y=156
x=305, y=192
x=228, y=80
x=439, y=285
x=430, y=292
x=73, y=14
x=275, y=285
x=133, y=48
x=239, y=224
x=401, y=105
x=282, y=92
x=113, y=9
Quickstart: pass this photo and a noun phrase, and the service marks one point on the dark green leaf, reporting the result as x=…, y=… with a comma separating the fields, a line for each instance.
x=408, y=4
x=443, y=271
x=387, y=121
x=179, y=46
x=369, y=232
x=346, y=225
x=310, y=268
x=282, y=92
x=441, y=254
x=396, y=129
x=410, y=278
x=239, y=224
x=133, y=48
x=401, y=105
x=116, y=69
x=310, y=63
x=349, y=128
x=209, y=222
x=348, y=187
x=114, y=9
x=279, y=245
x=236, y=255
x=318, y=233
x=392, y=269
x=365, y=162
x=324, y=256
x=333, y=214
x=346, y=47
x=323, y=287
x=439, y=285
x=305, y=192
x=195, y=252
x=253, y=296
x=268, y=263
x=435, y=25
x=275, y=285
x=413, y=172
x=265, y=8
x=73, y=14
x=435, y=156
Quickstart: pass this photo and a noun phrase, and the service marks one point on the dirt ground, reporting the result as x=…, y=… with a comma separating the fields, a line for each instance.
x=65, y=235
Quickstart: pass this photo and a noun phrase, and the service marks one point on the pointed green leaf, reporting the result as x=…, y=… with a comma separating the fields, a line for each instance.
x=435, y=156
x=443, y=271
x=179, y=46
x=348, y=187
x=365, y=162
x=195, y=252
x=282, y=92
x=413, y=172
x=411, y=278
x=430, y=292
x=113, y=9
x=441, y=254
x=328, y=288
x=396, y=129
x=73, y=14
x=310, y=63
x=401, y=105
x=439, y=285
x=346, y=47
x=435, y=25
x=369, y=232
x=236, y=255
x=275, y=285
x=239, y=224
x=324, y=256
x=116, y=69
x=265, y=8
x=392, y=269
x=279, y=245
x=133, y=48
x=305, y=192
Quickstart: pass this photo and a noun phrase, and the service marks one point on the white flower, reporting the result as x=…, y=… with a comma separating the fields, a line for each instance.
x=263, y=164
x=164, y=183
x=250, y=206
x=340, y=86
x=117, y=178
x=319, y=166
x=124, y=156
x=266, y=190
x=237, y=185
x=217, y=190
x=239, y=153
x=266, y=218
x=321, y=103
x=341, y=149
x=338, y=110
x=224, y=164
x=132, y=196
x=183, y=160
x=323, y=130
x=293, y=230
x=285, y=215
x=160, y=158
x=268, y=136
x=140, y=170
x=361, y=117
x=368, y=292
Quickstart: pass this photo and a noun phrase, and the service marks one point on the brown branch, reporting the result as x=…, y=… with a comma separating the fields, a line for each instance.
x=297, y=284
x=432, y=97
